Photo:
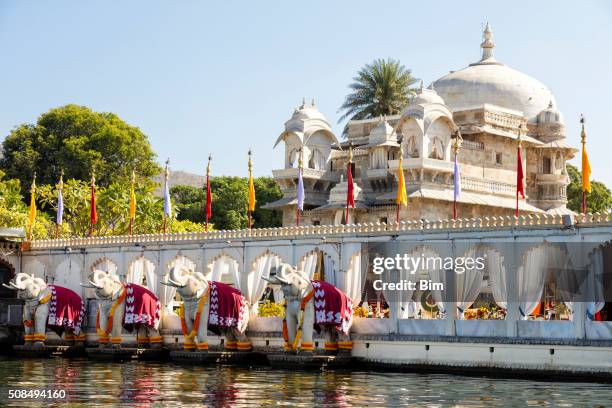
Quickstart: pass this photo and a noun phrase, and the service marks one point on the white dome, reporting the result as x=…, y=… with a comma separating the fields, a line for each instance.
x=308, y=112
x=490, y=81
x=550, y=115
x=426, y=96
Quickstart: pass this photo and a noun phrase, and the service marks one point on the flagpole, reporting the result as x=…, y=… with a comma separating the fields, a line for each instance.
x=583, y=140
x=250, y=214
x=166, y=196
x=519, y=142
x=402, y=197
x=60, y=212
x=92, y=210
x=349, y=179
x=456, y=182
x=32, y=214
x=208, y=203
x=132, y=203
x=300, y=180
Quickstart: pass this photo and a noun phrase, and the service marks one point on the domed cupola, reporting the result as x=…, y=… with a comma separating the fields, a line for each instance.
x=426, y=96
x=489, y=81
x=551, y=125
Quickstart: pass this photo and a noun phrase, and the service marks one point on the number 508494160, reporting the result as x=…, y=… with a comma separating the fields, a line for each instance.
x=36, y=394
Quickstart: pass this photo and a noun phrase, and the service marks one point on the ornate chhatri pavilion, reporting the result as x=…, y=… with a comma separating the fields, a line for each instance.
x=486, y=104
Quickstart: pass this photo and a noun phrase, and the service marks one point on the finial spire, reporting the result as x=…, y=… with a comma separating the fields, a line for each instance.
x=487, y=44
x=582, y=131
x=60, y=185
x=550, y=104
x=519, y=139
x=250, y=162
x=167, y=172
x=208, y=165
x=313, y=103
x=421, y=87
x=303, y=102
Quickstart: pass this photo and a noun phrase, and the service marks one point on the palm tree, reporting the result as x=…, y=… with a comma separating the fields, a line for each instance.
x=380, y=88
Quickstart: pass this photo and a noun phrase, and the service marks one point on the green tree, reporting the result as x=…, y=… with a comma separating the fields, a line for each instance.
x=14, y=212
x=230, y=199
x=76, y=139
x=380, y=88
x=600, y=199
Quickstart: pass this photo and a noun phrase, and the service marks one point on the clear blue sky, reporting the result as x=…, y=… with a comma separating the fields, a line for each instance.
x=220, y=78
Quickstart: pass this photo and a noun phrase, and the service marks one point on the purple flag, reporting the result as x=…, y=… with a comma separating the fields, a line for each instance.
x=300, y=191
x=457, y=180
x=60, y=207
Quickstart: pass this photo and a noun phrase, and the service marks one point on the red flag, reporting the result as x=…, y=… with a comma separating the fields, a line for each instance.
x=208, y=199
x=520, y=187
x=93, y=214
x=350, y=193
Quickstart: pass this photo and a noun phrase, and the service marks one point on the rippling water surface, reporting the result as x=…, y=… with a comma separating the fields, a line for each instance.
x=142, y=384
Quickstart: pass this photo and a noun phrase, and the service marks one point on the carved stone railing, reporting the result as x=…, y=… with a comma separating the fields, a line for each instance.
x=526, y=222
x=487, y=186
x=471, y=145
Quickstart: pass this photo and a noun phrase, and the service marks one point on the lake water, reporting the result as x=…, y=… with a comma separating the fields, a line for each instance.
x=141, y=384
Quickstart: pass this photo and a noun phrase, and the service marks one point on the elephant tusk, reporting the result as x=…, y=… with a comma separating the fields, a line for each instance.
x=95, y=285
x=9, y=287
x=87, y=286
x=170, y=282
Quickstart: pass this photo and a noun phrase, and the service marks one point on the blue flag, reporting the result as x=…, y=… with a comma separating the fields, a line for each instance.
x=60, y=207
x=300, y=191
x=457, y=180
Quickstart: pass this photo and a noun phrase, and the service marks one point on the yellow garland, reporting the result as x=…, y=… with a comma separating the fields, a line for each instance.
x=196, y=322
x=109, y=322
x=45, y=299
x=298, y=335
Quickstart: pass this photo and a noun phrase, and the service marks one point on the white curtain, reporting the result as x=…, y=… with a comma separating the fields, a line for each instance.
x=309, y=264
x=168, y=292
x=531, y=276
x=225, y=269
x=595, y=285
x=494, y=265
x=136, y=272
x=353, y=279
x=256, y=285
x=140, y=268
x=468, y=284
x=330, y=272
x=440, y=276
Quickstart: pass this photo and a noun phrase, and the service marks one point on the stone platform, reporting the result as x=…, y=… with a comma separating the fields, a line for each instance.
x=128, y=354
x=308, y=362
x=30, y=351
x=218, y=357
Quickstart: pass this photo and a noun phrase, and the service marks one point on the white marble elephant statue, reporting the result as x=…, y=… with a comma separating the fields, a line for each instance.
x=313, y=305
x=58, y=308
x=127, y=306
x=210, y=305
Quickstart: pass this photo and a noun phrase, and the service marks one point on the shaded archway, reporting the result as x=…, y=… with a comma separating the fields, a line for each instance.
x=7, y=272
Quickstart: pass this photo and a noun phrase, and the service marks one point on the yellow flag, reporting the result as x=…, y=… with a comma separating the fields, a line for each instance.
x=586, y=171
x=402, y=197
x=32, y=216
x=251, y=186
x=132, y=200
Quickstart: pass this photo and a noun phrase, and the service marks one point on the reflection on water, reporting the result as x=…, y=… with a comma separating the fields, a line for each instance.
x=164, y=384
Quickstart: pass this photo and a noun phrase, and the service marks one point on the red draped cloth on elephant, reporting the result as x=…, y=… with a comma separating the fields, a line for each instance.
x=332, y=307
x=141, y=307
x=227, y=307
x=66, y=310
